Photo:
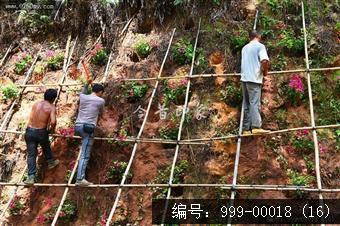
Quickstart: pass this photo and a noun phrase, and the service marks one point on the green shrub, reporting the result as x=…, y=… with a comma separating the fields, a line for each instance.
x=134, y=91
x=168, y=133
x=163, y=178
x=16, y=206
x=279, y=63
x=142, y=48
x=183, y=52
x=232, y=95
x=55, y=62
x=303, y=142
x=291, y=43
x=116, y=172
x=22, y=63
x=299, y=180
x=99, y=55
x=238, y=41
x=9, y=91
x=175, y=91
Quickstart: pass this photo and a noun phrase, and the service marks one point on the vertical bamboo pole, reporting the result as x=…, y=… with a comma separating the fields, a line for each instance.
x=139, y=134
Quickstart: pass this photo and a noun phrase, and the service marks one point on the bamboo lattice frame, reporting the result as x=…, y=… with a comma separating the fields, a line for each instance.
x=233, y=187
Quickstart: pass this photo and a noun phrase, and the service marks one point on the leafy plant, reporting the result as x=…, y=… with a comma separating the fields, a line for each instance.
x=279, y=63
x=232, y=95
x=123, y=133
x=303, y=142
x=183, y=52
x=168, y=133
x=99, y=55
x=9, y=91
x=291, y=43
x=309, y=163
x=142, y=48
x=175, y=91
x=116, y=171
x=54, y=61
x=299, y=180
x=16, y=206
x=22, y=61
x=238, y=41
x=67, y=214
x=163, y=178
x=134, y=91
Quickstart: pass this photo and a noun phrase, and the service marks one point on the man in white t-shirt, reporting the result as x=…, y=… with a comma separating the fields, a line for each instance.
x=254, y=65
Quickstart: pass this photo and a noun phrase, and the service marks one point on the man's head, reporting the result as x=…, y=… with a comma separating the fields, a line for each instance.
x=254, y=35
x=98, y=89
x=50, y=95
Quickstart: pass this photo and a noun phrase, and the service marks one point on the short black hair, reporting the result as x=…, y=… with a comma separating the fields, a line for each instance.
x=50, y=94
x=254, y=34
x=97, y=88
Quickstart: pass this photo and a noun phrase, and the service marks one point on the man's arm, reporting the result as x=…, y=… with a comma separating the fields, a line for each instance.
x=265, y=67
x=53, y=119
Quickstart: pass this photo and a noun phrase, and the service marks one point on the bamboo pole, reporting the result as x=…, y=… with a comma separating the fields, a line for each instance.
x=223, y=186
x=192, y=76
x=239, y=139
x=195, y=141
x=183, y=111
x=311, y=106
x=139, y=134
x=5, y=56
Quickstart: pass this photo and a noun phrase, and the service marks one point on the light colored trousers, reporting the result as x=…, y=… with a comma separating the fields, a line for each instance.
x=252, y=105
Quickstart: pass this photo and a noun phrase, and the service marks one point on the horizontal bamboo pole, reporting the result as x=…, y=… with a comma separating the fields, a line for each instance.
x=224, y=186
x=183, y=77
x=198, y=141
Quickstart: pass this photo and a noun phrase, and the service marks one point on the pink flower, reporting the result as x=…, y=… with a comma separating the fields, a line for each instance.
x=322, y=148
x=72, y=163
x=67, y=132
x=289, y=149
x=131, y=93
x=230, y=179
x=49, y=54
x=40, y=219
x=61, y=214
x=98, y=47
x=121, y=137
x=48, y=202
x=302, y=133
x=12, y=204
x=184, y=82
x=102, y=221
x=296, y=83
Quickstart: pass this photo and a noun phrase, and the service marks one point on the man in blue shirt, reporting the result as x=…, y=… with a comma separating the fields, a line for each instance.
x=254, y=65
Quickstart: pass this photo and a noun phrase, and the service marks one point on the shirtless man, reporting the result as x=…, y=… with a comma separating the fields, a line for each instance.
x=42, y=119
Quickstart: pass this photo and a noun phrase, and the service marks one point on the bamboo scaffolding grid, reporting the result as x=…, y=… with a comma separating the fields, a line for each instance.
x=199, y=141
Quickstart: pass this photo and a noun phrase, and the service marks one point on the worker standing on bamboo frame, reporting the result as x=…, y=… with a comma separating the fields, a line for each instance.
x=254, y=65
x=42, y=120
x=90, y=106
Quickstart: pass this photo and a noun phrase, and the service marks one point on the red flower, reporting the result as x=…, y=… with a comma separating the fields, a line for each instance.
x=131, y=93
x=40, y=219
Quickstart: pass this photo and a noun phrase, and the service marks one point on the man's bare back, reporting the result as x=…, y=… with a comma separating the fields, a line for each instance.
x=42, y=115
